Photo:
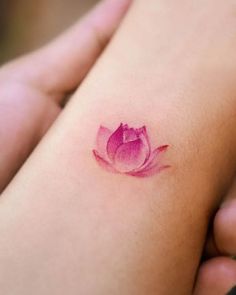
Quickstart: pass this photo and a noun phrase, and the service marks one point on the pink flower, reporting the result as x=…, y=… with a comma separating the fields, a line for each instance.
x=127, y=150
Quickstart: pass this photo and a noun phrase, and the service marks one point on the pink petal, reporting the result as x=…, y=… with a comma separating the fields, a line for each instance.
x=102, y=140
x=148, y=172
x=130, y=156
x=130, y=135
x=155, y=156
x=153, y=166
x=144, y=137
x=115, y=140
x=126, y=127
x=103, y=163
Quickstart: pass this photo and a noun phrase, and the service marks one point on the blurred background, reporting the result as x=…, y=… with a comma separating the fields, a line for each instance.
x=27, y=24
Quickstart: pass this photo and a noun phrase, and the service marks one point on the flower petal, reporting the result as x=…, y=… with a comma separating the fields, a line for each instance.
x=148, y=172
x=115, y=140
x=144, y=137
x=129, y=135
x=155, y=156
x=130, y=156
x=102, y=140
x=103, y=163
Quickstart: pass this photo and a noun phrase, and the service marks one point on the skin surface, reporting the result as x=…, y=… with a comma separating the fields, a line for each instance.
x=225, y=224
x=217, y=276
x=33, y=88
x=74, y=229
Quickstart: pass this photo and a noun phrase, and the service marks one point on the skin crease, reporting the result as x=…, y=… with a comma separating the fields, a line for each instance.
x=26, y=204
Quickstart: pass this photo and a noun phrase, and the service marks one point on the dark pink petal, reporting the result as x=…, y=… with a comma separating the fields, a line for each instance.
x=130, y=156
x=115, y=140
x=149, y=172
x=102, y=140
x=141, y=130
x=103, y=163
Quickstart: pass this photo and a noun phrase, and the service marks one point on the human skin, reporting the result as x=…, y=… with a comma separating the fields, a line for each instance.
x=224, y=224
x=218, y=274
x=33, y=88
x=178, y=192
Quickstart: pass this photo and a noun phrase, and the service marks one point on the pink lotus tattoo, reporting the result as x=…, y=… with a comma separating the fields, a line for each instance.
x=127, y=150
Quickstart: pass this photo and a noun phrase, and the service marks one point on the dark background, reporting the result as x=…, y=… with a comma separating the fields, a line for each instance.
x=28, y=24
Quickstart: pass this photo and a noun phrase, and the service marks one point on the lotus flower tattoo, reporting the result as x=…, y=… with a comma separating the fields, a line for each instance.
x=127, y=150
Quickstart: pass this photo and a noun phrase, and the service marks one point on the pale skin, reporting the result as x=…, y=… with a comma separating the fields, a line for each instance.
x=72, y=237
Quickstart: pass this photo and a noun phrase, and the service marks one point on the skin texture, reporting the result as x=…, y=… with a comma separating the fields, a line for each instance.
x=225, y=224
x=33, y=88
x=69, y=217
x=217, y=276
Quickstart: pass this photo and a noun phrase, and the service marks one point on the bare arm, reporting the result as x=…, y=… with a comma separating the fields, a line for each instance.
x=90, y=231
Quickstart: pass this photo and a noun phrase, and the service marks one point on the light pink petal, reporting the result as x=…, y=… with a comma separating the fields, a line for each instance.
x=102, y=140
x=153, y=166
x=149, y=172
x=115, y=140
x=103, y=163
x=130, y=135
x=155, y=156
x=130, y=156
x=144, y=137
